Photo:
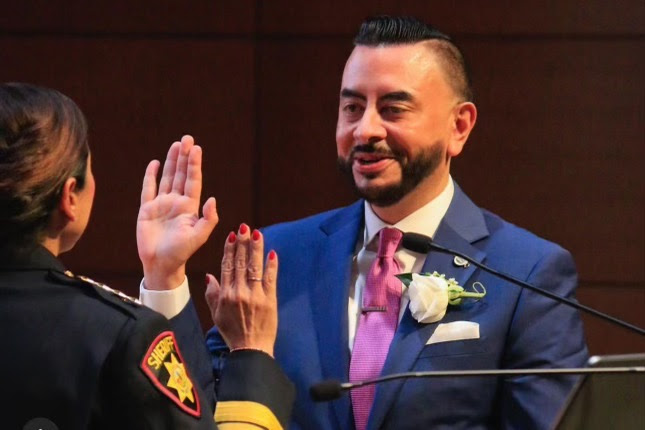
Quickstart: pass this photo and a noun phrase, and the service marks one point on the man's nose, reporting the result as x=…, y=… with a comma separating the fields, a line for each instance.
x=370, y=128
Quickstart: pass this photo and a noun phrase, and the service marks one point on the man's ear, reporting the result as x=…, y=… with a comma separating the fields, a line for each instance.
x=465, y=116
x=69, y=199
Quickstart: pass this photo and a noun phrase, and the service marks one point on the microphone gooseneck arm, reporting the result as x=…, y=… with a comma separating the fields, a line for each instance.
x=423, y=244
x=332, y=389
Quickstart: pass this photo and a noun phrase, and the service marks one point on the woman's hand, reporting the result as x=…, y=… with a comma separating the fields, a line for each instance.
x=169, y=229
x=244, y=306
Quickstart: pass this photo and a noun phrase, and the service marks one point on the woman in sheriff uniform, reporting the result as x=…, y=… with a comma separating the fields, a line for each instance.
x=79, y=355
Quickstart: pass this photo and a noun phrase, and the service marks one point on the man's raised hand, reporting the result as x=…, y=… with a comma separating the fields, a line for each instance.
x=169, y=228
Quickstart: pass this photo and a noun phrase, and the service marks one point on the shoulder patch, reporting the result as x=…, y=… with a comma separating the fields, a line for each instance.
x=164, y=366
x=104, y=287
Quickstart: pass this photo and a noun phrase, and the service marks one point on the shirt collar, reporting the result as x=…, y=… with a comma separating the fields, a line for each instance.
x=424, y=220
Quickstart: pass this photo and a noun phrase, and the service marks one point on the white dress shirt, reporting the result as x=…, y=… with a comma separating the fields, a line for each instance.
x=425, y=221
x=167, y=302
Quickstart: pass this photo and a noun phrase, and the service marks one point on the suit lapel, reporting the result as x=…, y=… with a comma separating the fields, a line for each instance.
x=462, y=224
x=330, y=296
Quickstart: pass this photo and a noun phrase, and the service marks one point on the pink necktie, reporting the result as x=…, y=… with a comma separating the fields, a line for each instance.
x=377, y=323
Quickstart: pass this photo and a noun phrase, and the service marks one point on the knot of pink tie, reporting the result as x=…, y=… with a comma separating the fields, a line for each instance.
x=389, y=239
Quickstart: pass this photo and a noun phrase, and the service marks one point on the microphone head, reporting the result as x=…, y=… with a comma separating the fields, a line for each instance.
x=326, y=390
x=417, y=242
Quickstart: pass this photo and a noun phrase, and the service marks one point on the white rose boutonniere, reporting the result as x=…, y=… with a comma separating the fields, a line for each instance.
x=431, y=293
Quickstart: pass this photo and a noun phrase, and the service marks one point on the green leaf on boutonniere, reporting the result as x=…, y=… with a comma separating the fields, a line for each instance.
x=406, y=278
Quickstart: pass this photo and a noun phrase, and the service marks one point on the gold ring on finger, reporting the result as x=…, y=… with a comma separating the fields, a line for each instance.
x=254, y=278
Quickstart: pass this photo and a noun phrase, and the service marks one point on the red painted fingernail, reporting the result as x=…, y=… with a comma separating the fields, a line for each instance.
x=243, y=228
x=272, y=255
x=256, y=235
x=231, y=237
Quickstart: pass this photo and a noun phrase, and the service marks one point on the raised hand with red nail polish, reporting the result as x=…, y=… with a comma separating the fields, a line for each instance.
x=244, y=305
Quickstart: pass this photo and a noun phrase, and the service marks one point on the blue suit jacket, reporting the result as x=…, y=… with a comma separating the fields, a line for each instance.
x=518, y=328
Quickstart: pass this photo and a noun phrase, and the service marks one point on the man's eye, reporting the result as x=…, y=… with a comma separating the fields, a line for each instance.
x=351, y=108
x=392, y=110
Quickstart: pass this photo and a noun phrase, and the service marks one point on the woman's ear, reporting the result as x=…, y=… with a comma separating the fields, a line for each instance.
x=69, y=200
x=465, y=117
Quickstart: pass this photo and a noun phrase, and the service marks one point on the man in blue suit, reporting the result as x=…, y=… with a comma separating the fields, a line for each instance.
x=405, y=110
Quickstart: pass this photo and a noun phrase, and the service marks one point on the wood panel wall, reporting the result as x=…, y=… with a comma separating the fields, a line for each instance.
x=557, y=147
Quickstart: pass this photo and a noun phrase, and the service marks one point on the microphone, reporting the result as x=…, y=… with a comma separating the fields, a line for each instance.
x=423, y=244
x=332, y=389
x=328, y=390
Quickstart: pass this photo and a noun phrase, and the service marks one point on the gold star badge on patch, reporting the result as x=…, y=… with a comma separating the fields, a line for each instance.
x=178, y=379
x=164, y=366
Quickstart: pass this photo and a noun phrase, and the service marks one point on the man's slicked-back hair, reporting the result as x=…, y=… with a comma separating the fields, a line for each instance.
x=405, y=30
x=390, y=30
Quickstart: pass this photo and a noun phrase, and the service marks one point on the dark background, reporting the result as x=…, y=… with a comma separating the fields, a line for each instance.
x=560, y=134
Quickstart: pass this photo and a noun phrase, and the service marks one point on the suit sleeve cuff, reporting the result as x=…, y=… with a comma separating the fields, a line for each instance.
x=169, y=303
x=251, y=376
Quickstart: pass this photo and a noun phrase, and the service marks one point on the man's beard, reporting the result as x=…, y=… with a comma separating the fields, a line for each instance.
x=413, y=171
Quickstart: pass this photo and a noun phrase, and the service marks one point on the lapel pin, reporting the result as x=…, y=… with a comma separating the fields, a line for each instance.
x=460, y=262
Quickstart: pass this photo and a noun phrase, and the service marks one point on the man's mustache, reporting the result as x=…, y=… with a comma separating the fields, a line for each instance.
x=373, y=149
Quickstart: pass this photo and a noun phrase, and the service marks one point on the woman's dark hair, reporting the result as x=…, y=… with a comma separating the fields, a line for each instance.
x=43, y=142
x=401, y=30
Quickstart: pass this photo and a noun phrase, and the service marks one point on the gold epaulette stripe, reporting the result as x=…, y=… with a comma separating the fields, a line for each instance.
x=246, y=412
